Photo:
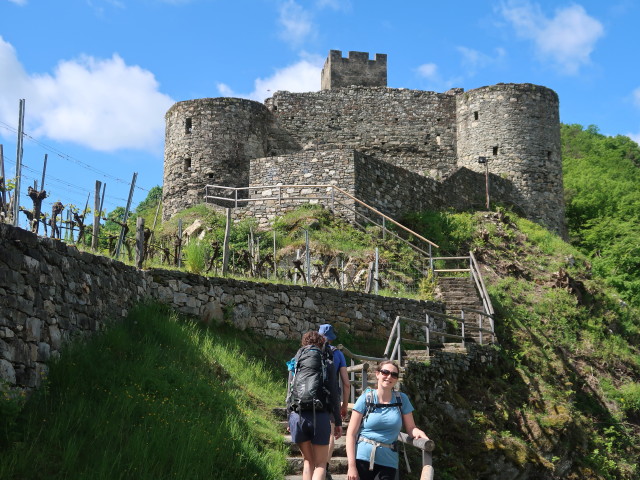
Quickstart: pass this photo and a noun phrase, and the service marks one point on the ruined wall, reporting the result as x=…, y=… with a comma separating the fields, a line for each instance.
x=396, y=191
x=51, y=293
x=324, y=166
x=356, y=69
x=517, y=128
x=392, y=190
x=411, y=129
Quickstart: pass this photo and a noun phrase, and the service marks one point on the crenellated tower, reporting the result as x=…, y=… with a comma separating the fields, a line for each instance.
x=357, y=69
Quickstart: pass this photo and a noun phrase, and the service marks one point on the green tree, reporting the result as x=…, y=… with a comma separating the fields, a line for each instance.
x=602, y=194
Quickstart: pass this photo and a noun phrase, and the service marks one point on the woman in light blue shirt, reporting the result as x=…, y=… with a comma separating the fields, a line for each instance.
x=376, y=420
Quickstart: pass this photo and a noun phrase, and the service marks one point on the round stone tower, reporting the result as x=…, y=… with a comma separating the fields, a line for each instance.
x=513, y=131
x=210, y=141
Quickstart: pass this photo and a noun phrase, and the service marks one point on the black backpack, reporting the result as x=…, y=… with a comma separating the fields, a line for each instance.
x=309, y=388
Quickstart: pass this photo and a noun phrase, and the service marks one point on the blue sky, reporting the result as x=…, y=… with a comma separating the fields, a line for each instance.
x=99, y=75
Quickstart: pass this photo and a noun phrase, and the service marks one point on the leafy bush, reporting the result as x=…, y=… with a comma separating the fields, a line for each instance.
x=630, y=398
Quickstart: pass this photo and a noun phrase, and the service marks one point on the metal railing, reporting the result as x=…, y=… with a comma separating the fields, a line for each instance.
x=474, y=272
x=359, y=364
x=463, y=330
x=333, y=199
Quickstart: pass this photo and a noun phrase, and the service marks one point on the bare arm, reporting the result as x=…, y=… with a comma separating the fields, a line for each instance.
x=351, y=440
x=346, y=390
x=410, y=426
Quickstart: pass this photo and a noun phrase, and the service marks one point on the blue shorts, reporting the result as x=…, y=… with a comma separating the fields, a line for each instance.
x=303, y=429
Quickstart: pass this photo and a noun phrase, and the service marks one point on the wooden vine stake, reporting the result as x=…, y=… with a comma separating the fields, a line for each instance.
x=96, y=216
x=139, y=242
x=225, y=249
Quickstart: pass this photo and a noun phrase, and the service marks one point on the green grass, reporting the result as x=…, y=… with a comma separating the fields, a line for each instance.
x=155, y=396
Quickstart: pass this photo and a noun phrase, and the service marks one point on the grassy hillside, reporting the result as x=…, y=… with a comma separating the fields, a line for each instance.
x=153, y=397
x=564, y=401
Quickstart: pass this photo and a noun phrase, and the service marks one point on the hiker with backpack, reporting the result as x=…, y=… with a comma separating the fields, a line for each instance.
x=312, y=401
x=340, y=365
x=376, y=420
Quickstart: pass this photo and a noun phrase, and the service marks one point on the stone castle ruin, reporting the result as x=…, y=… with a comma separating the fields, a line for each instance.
x=396, y=149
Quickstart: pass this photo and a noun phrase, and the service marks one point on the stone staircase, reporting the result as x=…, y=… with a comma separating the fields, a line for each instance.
x=458, y=293
x=338, y=465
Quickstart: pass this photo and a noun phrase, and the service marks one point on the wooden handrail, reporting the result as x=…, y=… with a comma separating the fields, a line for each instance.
x=362, y=358
x=425, y=444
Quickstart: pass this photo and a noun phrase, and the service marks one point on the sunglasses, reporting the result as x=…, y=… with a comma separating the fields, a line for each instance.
x=386, y=372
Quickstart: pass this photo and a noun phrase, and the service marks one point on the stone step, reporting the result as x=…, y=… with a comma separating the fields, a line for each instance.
x=334, y=476
x=336, y=465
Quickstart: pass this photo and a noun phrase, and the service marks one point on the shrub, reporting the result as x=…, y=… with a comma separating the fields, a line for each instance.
x=630, y=398
x=196, y=255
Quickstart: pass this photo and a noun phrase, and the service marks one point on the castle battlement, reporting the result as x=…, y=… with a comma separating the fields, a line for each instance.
x=357, y=69
x=425, y=146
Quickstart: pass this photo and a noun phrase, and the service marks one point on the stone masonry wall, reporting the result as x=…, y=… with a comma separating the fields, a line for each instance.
x=321, y=166
x=392, y=190
x=399, y=126
x=281, y=311
x=396, y=191
x=51, y=293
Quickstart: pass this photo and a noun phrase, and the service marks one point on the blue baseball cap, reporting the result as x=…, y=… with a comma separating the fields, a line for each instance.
x=327, y=331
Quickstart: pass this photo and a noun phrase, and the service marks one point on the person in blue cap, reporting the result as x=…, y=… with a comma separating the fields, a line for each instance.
x=340, y=363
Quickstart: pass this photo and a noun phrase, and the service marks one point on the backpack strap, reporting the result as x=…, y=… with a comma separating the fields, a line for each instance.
x=370, y=406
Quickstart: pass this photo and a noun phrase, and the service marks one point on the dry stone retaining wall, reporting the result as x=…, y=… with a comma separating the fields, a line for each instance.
x=50, y=293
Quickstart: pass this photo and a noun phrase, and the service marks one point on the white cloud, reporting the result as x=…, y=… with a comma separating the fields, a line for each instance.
x=296, y=23
x=474, y=60
x=105, y=105
x=303, y=76
x=428, y=70
x=635, y=137
x=19, y=2
x=567, y=39
x=431, y=73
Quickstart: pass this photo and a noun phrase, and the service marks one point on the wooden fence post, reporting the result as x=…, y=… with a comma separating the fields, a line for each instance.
x=96, y=216
x=139, y=242
x=225, y=248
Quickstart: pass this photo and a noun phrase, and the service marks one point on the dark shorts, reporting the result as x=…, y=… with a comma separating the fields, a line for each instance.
x=379, y=472
x=303, y=428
